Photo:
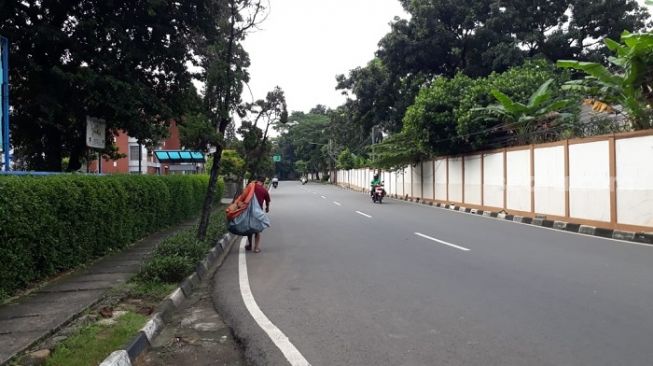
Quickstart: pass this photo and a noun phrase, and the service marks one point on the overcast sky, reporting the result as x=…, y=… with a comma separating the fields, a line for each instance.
x=304, y=44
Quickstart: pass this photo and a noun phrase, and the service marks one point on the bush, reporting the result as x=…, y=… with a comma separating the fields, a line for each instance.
x=177, y=256
x=54, y=223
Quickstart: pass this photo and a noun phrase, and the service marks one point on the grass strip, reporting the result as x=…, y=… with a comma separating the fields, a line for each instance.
x=93, y=343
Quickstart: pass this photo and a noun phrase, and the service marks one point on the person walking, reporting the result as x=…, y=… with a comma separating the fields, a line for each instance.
x=262, y=196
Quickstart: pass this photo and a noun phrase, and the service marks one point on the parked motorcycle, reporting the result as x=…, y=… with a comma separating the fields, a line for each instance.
x=378, y=193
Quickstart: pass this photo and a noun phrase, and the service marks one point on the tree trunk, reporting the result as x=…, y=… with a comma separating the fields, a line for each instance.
x=210, y=195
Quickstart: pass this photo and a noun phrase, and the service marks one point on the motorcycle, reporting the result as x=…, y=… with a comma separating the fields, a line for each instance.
x=275, y=184
x=378, y=193
x=304, y=181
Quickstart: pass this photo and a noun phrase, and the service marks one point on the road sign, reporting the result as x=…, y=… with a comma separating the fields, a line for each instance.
x=276, y=158
x=95, y=132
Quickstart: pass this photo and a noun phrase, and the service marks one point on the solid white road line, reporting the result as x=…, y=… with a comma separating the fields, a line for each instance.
x=337, y=203
x=291, y=353
x=364, y=214
x=442, y=242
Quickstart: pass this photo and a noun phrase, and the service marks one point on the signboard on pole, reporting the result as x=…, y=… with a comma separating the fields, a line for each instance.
x=276, y=158
x=95, y=132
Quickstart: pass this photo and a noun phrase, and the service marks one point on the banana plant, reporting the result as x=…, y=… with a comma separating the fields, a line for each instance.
x=541, y=112
x=631, y=87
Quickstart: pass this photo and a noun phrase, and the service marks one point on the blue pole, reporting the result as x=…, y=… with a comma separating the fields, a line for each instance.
x=4, y=43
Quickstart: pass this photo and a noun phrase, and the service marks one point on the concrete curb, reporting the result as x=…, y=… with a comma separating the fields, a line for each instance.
x=170, y=304
x=635, y=237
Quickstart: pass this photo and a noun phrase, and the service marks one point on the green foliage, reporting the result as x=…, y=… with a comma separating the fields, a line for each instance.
x=632, y=87
x=301, y=167
x=445, y=37
x=108, y=59
x=479, y=129
x=177, y=256
x=345, y=160
x=94, y=343
x=55, y=223
x=396, y=152
x=232, y=165
x=525, y=120
x=430, y=123
x=306, y=138
x=196, y=132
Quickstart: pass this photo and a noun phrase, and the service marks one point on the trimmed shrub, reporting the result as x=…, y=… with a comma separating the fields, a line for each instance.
x=54, y=223
x=177, y=256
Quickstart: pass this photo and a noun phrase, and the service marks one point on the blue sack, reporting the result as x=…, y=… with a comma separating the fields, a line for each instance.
x=252, y=221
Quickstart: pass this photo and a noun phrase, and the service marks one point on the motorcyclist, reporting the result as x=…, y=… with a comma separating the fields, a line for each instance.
x=275, y=182
x=376, y=181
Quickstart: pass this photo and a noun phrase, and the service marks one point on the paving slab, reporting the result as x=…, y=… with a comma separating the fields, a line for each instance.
x=34, y=316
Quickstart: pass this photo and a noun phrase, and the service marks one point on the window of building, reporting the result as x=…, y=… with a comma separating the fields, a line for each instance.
x=133, y=152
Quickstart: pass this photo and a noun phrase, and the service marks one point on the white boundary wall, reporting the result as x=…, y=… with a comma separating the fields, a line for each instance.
x=473, y=179
x=493, y=184
x=427, y=180
x=549, y=180
x=568, y=180
x=455, y=179
x=518, y=180
x=589, y=181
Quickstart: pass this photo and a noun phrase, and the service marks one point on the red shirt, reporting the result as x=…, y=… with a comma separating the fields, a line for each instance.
x=261, y=194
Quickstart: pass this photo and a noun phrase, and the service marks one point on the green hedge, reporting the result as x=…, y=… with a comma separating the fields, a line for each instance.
x=177, y=256
x=49, y=224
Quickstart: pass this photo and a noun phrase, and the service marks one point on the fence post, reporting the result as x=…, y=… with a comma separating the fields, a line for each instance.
x=482, y=179
x=613, y=181
x=532, y=179
x=566, y=157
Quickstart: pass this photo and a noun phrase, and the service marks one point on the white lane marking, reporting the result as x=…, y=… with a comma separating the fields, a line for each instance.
x=337, y=203
x=442, y=242
x=323, y=197
x=291, y=353
x=364, y=214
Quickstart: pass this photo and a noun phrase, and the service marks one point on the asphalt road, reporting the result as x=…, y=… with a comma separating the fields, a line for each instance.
x=371, y=288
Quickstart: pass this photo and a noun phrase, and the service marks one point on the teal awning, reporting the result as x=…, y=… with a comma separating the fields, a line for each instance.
x=179, y=156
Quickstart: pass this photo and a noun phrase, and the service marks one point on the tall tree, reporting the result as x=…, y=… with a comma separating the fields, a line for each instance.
x=225, y=63
x=264, y=114
x=116, y=60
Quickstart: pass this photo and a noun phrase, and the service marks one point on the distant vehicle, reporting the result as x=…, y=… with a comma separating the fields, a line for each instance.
x=378, y=194
x=304, y=180
x=275, y=182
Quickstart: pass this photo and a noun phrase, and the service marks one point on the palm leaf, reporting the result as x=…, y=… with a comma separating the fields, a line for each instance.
x=592, y=68
x=509, y=104
x=541, y=95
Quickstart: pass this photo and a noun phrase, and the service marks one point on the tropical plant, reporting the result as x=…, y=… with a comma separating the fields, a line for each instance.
x=632, y=88
x=539, y=116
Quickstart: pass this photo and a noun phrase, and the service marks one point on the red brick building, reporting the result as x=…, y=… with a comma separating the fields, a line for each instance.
x=130, y=148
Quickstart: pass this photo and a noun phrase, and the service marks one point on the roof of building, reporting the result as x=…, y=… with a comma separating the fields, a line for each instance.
x=179, y=156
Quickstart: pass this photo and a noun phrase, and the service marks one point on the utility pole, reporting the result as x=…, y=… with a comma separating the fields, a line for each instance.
x=4, y=102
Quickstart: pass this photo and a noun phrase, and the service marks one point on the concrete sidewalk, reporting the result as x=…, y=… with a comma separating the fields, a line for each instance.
x=33, y=317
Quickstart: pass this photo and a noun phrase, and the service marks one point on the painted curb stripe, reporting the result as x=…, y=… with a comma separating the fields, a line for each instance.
x=117, y=358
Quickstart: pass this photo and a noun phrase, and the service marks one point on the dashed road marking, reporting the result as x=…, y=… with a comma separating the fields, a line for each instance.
x=443, y=242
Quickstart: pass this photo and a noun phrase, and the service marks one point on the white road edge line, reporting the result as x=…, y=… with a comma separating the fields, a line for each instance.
x=364, y=214
x=291, y=353
x=443, y=242
x=337, y=203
